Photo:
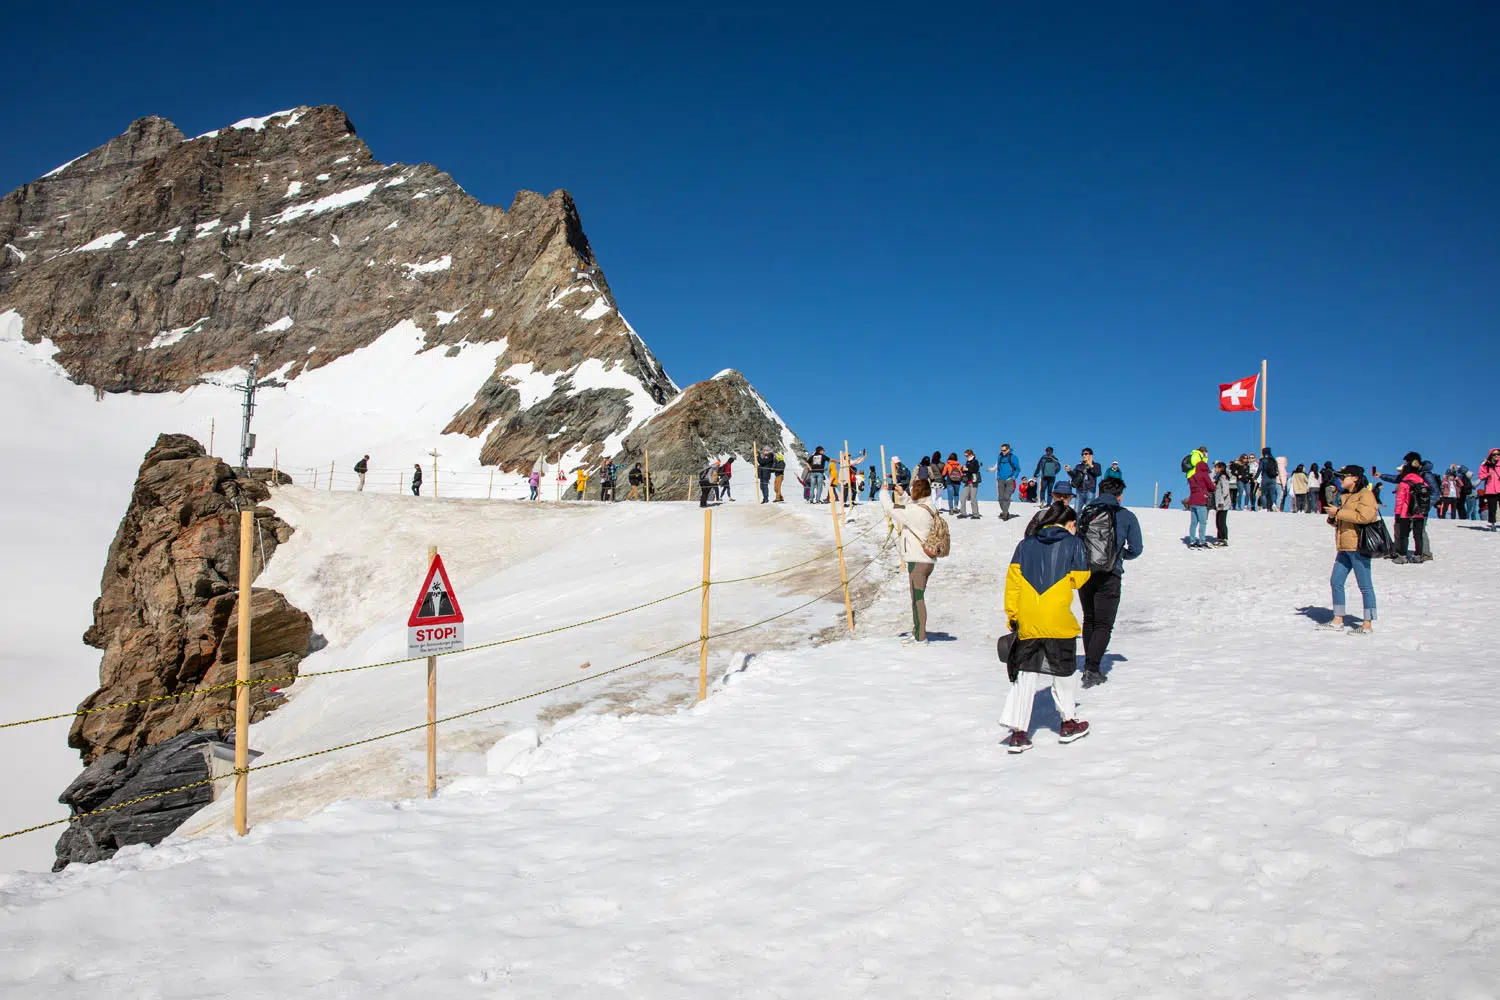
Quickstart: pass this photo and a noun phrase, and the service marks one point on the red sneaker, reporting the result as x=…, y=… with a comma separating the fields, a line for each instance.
x=1016, y=742
x=1072, y=729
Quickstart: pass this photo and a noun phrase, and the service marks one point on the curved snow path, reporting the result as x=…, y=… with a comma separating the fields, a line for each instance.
x=1262, y=810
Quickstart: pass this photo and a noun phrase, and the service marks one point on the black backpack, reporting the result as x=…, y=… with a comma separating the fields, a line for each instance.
x=1268, y=467
x=1187, y=464
x=1096, y=526
x=1418, y=499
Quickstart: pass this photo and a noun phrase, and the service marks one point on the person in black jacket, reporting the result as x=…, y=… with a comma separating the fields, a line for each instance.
x=360, y=468
x=1085, y=479
x=968, y=505
x=416, y=479
x=765, y=468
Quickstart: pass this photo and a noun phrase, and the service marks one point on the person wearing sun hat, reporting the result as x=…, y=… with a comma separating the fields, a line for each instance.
x=1357, y=508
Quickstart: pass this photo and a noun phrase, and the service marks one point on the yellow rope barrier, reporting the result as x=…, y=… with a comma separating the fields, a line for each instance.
x=460, y=715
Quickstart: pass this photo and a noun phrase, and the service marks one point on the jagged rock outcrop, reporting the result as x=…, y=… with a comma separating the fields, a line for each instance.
x=157, y=259
x=166, y=616
x=715, y=418
x=167, y=621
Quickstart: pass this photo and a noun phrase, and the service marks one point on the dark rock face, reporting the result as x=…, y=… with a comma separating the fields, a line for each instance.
x=715, y=418
x=166, y=617
x=167, y=621
x=157, y=259
x=116, y=777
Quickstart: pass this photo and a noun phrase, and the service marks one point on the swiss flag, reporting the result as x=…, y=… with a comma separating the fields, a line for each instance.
x=1238, y=395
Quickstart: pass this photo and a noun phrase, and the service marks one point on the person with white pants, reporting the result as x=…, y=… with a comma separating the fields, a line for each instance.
x=1022, y=697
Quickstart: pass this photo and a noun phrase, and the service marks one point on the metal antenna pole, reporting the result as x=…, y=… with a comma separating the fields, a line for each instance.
x=247, y=440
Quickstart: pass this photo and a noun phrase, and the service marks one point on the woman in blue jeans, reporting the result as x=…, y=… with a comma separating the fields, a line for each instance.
x=1358, y=508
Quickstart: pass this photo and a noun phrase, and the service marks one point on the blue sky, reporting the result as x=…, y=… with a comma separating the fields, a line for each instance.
x=943, y=227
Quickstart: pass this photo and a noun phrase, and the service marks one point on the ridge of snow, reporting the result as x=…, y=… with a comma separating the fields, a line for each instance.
x=57, y=170
x=598, y=310
x=444, y=318
x=328, y=203
x=443, y=263
x=284, y=323
x=104, y=242
x=532, y=386
x=256, y=124
x=17, y=251
x=169, y=337
x=203, y=229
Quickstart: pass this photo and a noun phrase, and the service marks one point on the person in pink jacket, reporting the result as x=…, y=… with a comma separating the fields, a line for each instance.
x=1200, y=487
x=1489, y=484
x=1413, y=501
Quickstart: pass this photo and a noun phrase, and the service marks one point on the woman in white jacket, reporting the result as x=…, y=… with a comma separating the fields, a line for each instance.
x=914, y=516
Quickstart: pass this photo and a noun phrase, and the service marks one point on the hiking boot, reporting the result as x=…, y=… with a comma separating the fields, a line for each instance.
x=962, y=516
x=1016, y=742
x=1072, y=729
x=1093, y=678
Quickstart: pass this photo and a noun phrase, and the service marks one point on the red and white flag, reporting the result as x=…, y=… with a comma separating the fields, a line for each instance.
x=1238, y=395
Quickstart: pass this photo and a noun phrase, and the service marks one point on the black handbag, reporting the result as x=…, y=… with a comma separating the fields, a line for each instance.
x=1003, y=646
x=1375, y=539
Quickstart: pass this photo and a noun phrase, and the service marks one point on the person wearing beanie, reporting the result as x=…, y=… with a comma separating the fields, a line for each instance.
x=1100, y=595
x=1358, y=508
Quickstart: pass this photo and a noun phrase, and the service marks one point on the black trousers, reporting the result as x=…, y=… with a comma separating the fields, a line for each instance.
x=1221, y=525
x=1491, y=503
x=1410, y=529
x=1100, y=597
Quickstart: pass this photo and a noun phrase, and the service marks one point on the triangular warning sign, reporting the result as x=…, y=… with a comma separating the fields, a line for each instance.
x=437, y=604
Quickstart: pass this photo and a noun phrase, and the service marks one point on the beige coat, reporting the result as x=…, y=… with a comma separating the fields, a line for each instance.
x=913, y=521
x=1358, y=508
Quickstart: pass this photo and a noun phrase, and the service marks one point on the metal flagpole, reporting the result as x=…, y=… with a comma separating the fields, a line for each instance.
x=1262, y=406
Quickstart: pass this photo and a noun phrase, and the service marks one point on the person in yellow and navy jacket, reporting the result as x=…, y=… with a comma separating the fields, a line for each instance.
x=1047, y=568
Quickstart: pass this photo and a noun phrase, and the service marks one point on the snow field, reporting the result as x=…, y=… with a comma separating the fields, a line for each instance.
x=1262, y=809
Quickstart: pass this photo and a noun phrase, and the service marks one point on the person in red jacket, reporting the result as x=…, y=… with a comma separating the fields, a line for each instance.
x=1200, y=488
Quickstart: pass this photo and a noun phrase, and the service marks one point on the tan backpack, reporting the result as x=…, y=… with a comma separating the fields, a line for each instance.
x=938, y=542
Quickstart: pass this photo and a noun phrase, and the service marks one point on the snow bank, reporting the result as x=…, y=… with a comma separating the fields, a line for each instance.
x=319, y=206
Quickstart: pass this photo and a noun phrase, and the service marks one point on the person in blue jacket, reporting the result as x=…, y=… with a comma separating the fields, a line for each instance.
x=1007, y=470
x=1113, y=472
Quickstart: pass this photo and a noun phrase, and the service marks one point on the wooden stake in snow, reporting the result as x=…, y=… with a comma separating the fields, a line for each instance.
x=210, y=435
x=242, y=678
x=330, y=477
x=432, y=695
x=838, y=540
x=491, y=494
x=434, y=454
x=872, y=487
x=708, y=545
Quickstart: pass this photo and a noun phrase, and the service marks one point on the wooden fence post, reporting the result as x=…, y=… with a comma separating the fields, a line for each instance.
x=491, y=494
x=431, y=703
x=276, y=467
x=241, y=677
x=708, y=543
x=330, y=477
x=434, y=454
x=315, y=479
x=210, y=435
x=838, y=540
x=883, y=468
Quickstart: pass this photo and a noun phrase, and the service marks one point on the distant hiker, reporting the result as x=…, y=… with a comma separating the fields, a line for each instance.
x=924, y=540
x=903, y=474
x=535, y=482
x=360, y=468
x=968, y=504
x=1113, y=472
x=1415, y=462
x=1200, y=487
x=1299, y=490
x=817, y=475
x=726, y=472
x=873, y=482
x=637, y=479
x=1044, y=571
x=1007, y=472
x=1024, y=491
x=1111, y=534
x=1270, y=478
x=1047, y=468
x=1166, y=501
x=953, y=479
x=1413, y=502
x=582, y=482
x=780, y=473
x=765, y=468
x=924, y=471
x=850, y=477
x=1085, y=478
x=416, y=479
x=1489, y=484
x=708, y=483
x=1221, y=503
x=607, y=482
x=1358, y=508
